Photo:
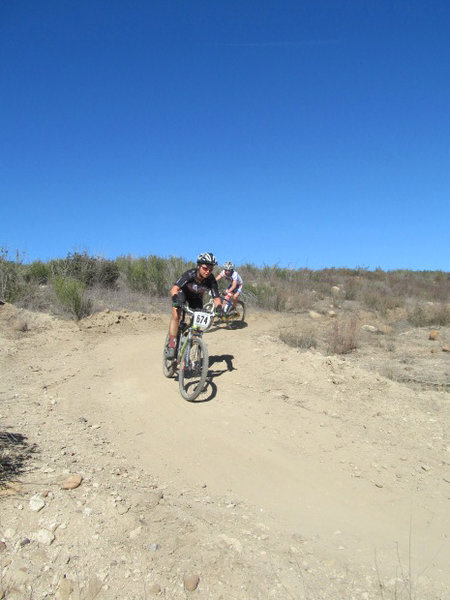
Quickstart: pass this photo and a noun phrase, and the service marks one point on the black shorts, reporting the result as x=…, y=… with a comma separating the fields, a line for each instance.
x=194, y=302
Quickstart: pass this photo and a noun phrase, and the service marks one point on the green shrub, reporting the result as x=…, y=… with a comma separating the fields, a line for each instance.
x=9, y=277
x=86, y=269
x=37, y=272
x=71, y=294
x=136, y=275
x=157, y=275
x=153, y=275
x=107, y=273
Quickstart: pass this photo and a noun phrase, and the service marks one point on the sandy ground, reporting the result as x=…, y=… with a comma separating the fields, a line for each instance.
x=295, y=475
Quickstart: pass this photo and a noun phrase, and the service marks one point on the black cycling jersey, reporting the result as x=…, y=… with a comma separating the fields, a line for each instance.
x=194, y=290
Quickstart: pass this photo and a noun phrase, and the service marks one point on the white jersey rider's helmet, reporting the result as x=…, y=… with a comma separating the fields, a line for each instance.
x=228, y=266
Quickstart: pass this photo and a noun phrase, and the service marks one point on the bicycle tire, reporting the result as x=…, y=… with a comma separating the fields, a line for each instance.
x=192, y=376
x=169, y=364
x=241, y=311
x=239, y=316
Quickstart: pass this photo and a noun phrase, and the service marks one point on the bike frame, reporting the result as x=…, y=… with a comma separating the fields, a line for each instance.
x=188, y=334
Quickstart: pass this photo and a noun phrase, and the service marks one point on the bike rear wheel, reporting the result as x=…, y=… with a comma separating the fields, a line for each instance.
x=169, y=364
x=193, y=369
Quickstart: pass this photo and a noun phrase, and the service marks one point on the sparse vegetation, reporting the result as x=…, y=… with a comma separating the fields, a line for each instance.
x=429, y=315
x=421, y=296
x=343, y=336
x=305, y=338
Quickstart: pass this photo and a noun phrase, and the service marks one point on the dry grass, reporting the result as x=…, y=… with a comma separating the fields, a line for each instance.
x=429, y=315
x=305, y=338
x=343, y=336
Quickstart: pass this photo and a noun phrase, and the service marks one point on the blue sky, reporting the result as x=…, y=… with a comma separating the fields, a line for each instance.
x=306, y=133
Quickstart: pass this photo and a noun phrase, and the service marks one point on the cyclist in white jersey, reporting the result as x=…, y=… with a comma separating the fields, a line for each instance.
x=234, y=283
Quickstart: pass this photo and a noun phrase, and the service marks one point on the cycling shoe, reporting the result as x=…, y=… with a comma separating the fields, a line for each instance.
x=169, y=352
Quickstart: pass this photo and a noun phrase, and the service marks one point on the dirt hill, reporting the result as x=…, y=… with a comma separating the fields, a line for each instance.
x=295, y=475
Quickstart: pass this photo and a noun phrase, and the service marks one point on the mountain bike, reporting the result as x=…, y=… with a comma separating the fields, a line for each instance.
x=191, y=354
x=231, y=315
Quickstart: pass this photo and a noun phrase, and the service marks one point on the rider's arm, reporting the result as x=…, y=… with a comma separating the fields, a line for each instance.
x=174, y=295
x=212, y=284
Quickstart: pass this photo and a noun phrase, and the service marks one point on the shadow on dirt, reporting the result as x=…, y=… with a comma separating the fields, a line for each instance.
x=224, y=325
x=210, y=390
x=221, y=358
x=15, y=452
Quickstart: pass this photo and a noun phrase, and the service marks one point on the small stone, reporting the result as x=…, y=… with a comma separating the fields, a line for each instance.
x=370, y=328
x=445, y=348
x=433, y=335
x=44, y=536
x=314, y=315
x=155, y=546
x=24, y=542
x=72, y=482
x=191, y=582
x=36, y=503
x=2, y=546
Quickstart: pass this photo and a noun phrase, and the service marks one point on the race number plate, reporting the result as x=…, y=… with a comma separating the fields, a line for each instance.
x=202, y=320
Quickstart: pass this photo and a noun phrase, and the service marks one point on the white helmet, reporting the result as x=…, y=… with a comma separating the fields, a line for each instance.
x=228, y=266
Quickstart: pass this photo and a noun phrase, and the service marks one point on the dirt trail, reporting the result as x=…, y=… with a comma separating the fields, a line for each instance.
x=312, y=447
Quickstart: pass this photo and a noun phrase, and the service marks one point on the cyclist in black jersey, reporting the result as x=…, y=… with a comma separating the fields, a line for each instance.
x=190, y=288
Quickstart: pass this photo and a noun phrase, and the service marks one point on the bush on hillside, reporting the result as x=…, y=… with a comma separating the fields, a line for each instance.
x=71, y=294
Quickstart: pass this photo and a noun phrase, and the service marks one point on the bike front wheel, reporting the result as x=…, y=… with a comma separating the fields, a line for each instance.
x=210, y=308
x=169, y=364
x=193, y=369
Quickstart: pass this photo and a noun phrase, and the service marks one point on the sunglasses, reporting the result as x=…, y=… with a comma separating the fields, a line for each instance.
x=207, y=267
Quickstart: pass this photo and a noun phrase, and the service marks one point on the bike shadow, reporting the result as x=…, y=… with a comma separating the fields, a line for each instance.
x=231, y=325
x=210, y=390
x=226, y=358
x=238, y=325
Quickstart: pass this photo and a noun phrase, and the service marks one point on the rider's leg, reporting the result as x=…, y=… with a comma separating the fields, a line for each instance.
x=236, y=296
x=173, y=331
x=227, y=301
x=173, y=326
